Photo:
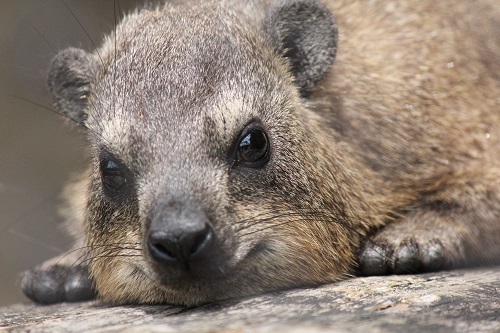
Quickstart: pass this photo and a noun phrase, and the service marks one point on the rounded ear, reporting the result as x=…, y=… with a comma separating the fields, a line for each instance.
x=304, y=32
x=69, y=78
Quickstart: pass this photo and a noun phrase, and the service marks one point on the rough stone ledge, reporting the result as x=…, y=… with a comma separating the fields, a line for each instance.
x=454, y=301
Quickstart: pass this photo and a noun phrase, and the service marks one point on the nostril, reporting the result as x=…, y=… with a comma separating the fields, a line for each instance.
x=202, y=243
x=159, y=248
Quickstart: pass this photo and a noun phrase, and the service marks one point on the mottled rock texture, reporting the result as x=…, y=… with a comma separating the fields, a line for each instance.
x=454, y=301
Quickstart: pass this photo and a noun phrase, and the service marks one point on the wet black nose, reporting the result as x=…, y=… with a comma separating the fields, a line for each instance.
x=180, y=242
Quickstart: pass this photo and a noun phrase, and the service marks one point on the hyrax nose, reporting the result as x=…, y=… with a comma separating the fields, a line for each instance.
x=180, y=240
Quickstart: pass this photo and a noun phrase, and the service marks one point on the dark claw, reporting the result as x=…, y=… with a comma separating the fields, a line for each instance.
x=78, y=286
x=373, y=260
x=433, y=258
x=406, y=258
x=44, y=286
x=57, y=284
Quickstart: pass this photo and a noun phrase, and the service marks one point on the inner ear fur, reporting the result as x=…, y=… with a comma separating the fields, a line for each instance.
x=304, y=32
x=69, y=78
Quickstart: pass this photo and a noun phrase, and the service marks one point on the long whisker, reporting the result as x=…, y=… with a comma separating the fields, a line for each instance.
x=85, y=31
x=258, y=219
x=51, y=110
x=80, y=123
x=107, y=253
x=33, y=240
x=72, y=73
x=318, y=216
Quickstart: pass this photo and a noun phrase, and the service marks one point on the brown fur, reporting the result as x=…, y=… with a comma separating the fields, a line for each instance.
x=402, y=133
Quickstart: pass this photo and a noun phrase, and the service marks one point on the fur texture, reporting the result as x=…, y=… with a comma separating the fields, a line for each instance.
x=399, y=141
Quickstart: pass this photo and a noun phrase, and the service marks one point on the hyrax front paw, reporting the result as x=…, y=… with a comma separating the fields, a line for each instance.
x=383, y=256
x=57, y=283
x=422, y=242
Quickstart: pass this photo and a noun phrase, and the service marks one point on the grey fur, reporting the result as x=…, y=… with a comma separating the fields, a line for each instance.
x=397, y=144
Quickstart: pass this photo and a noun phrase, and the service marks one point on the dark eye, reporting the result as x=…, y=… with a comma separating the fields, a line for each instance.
x=113, y=177
x=253, y=147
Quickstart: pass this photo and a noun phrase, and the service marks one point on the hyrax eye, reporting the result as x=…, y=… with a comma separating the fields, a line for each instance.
x=253, y=147
x=112, y=175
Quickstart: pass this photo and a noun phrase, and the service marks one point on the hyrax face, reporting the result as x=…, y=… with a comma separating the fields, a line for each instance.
x=201, y=185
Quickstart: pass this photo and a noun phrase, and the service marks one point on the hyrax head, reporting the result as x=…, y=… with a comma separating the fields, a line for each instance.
x=210, y=176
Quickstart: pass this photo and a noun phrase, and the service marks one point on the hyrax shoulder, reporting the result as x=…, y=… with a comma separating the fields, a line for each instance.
x=239, y=148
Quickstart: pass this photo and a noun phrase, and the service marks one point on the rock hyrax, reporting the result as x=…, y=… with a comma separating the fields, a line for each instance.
x=239, y=147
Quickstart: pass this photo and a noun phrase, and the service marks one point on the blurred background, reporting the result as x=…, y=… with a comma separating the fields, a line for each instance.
x=38, y=151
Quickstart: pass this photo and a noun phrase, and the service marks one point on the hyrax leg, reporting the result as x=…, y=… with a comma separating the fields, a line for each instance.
x=65, y=277
x=456, y=224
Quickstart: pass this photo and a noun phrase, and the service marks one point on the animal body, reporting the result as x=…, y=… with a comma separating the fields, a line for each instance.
x=239, y=147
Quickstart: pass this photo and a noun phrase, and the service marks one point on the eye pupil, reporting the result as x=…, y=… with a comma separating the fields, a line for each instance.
x=115, y=181
x=112, y=175
x=253, y=147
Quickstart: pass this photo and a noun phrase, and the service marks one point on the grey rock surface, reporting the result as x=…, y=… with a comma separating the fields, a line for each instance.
x=454, y=301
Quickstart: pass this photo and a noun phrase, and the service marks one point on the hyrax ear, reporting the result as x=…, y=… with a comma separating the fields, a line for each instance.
x=69, y=77
x=304, y=32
